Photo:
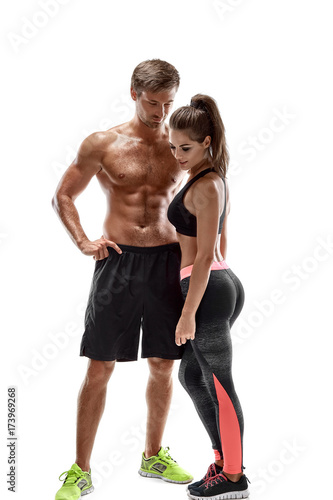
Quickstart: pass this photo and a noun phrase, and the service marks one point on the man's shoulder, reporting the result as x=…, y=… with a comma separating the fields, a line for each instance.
x=102, y=138
x=120, y=134
x=98, y=142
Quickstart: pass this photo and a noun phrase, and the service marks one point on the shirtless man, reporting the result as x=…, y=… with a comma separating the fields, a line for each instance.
x=136, y=277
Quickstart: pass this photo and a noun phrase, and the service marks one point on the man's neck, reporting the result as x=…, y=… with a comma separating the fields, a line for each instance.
x=148, y=134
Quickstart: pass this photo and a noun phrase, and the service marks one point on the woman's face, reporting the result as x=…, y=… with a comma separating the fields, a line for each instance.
x=188, y=153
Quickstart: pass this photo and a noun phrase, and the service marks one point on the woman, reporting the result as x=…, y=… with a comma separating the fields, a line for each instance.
x=213, y=294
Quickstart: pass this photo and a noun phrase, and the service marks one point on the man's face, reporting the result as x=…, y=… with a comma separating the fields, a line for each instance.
x=152, y=109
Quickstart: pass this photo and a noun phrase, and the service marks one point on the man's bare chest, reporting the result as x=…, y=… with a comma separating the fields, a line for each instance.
x=137, y=166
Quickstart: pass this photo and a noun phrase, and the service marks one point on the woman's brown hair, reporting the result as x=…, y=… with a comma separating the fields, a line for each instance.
x=201, y=119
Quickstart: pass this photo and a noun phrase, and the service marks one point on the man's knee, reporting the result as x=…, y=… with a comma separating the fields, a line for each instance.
x=99, y=372
x=160, y=368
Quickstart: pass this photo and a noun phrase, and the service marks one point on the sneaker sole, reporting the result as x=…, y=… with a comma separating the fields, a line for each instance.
x=86, y=492
x=224, y=496
x=158, y=476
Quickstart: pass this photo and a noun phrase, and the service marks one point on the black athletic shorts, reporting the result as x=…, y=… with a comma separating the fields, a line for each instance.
x=138, y=288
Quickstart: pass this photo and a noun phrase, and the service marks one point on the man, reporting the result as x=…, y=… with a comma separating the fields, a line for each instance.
x=136, y=278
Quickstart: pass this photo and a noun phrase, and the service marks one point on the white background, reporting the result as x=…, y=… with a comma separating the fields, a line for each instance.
x=66, y=74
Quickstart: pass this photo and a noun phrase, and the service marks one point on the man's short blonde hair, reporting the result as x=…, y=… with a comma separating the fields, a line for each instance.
x=155, y=76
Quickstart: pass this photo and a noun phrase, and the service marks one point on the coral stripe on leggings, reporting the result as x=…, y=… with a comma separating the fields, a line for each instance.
x=206, y=367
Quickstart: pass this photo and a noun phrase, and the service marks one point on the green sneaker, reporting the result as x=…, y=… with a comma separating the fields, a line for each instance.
x=162, y=466
x=76, y=484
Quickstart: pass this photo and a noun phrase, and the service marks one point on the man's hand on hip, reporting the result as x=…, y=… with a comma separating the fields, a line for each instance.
x=98, y=248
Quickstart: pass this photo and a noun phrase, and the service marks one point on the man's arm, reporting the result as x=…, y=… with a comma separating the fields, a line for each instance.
x=87, y=163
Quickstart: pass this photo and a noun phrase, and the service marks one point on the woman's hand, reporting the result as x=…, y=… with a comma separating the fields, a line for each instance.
x=185, y=329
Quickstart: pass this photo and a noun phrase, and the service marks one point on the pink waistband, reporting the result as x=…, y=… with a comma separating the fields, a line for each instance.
x=186, y=271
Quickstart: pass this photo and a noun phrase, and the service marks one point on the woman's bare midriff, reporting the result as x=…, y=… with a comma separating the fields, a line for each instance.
x=188, y=246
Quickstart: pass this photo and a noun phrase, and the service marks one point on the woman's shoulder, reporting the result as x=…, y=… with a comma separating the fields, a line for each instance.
x=212, y=181
x=206, y=190
x=212, y=187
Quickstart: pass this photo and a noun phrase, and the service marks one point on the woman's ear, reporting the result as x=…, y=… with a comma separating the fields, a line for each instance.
x=207, y=141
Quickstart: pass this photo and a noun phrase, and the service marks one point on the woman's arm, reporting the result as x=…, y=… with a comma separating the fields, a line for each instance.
x=223, y=240
x=206, y=201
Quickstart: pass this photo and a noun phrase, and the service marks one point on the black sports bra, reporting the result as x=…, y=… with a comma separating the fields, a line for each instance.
x=180, y=217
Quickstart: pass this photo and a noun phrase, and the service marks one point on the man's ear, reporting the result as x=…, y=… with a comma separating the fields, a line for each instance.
x=134, y=94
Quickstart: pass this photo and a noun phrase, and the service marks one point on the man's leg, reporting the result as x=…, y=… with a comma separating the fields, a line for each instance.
x=156, y=461
x=162, y=306
x=90, y=407
x=158, y=397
